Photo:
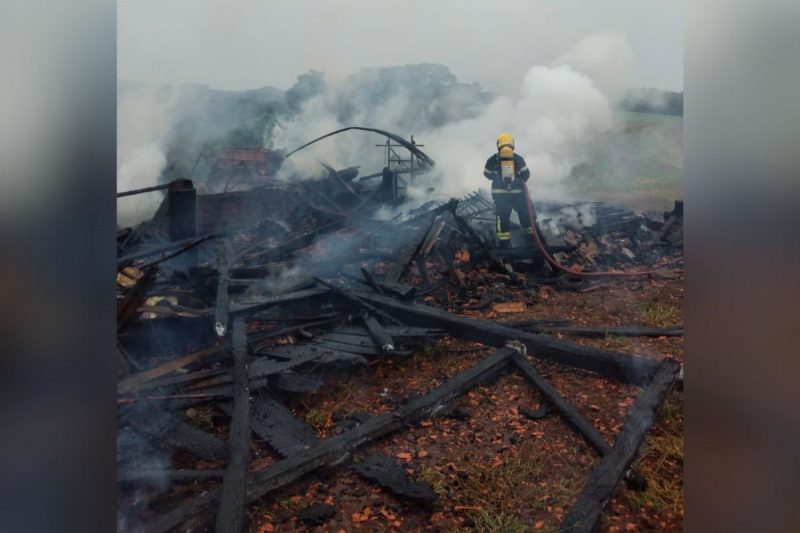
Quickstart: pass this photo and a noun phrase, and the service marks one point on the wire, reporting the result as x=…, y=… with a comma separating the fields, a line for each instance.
x=396, y=138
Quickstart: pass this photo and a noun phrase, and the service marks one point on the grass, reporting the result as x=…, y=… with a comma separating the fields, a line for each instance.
x=640, y=167
x=441, y=360
x=491, y=521
x=662, y=462
x=290, y=505
x=317, y=418
x=658, y=314
x=435, y=479
x=321, y=417
x=497, y=487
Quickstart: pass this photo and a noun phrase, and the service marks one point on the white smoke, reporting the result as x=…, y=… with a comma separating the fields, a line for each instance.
x=605, y=57
x=144, y=117
x=558, y=108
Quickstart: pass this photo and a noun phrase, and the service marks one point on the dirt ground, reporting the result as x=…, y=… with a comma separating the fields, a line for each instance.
x=494, y=469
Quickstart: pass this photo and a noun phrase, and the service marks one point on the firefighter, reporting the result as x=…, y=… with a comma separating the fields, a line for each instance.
x=508, y=174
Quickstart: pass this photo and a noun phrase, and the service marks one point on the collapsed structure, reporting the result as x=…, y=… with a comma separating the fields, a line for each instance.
x=247, y=299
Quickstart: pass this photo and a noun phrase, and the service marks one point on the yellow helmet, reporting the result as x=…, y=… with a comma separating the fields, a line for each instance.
x=505, y=139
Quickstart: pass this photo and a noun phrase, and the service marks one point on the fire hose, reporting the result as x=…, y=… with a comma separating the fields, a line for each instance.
x=558, y=266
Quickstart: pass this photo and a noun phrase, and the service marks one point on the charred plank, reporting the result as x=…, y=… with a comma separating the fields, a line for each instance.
x=618, y=365
x=273, y=422
x=389, y=474
x=370, y=279
x=177, y=247
x=349, y=348
x=594, y=332
x=232, y=500
x=570, y=414
x=244, y=309
x=348, y=295
x=608, y=473
x=297, y=383
x=334, y=449
x=377, y=332
x=159, y=477
x=174, y=433
x=404, y=332
x=345, y=338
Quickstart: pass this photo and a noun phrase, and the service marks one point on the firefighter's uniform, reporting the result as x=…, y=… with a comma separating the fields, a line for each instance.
x=508, y=171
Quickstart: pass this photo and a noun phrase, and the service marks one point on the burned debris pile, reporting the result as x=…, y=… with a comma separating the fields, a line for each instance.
x=235, y=306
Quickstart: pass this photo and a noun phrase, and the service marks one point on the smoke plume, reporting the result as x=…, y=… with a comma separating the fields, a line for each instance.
x=557, y=115
x=144, y=117
x=558, y=108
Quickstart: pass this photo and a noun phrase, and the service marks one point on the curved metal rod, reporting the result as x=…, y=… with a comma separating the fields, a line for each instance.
x=413, y=149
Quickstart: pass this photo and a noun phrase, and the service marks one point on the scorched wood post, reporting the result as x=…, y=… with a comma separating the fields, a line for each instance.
x=183, y=214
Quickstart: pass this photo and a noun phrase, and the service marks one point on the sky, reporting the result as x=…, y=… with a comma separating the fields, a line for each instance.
x=246, y=44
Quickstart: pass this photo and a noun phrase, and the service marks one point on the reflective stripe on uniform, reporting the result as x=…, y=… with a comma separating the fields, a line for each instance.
x=529, y=231
x=506, y=191
x=503, y=236
x=523, y=169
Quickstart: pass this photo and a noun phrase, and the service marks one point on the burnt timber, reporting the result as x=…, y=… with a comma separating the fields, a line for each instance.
x=332, y=450
x=232, y=499
x=356, y=303
x=630, y=368
x=606, y=476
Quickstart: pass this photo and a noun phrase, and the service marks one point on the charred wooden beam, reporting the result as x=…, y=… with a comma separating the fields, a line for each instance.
x=334, y=449
x=134, y=382
x=248, y=309
x=618, y=365
x=606, y=476
x=377, y=332
x=433, y=235
x=370, y=279
x=223, y=298
x=487, y=250
x=409, y=253
x=349, y=348
x=219, y=385
x=394, y=331
x=232, y=500
x=182, y=209
x=594, y=332
x=570, y=414
x=256, y=340
x=348, y=295
x=446, y=258
x=143, y=190
x=167, y=429
x=401, y=290
x=159, y=476
x=180, y=247
x=350, y=339
x=423, y=270
x=544, y=322
x=275, y=424
x=170, y=382
x=388, y=473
